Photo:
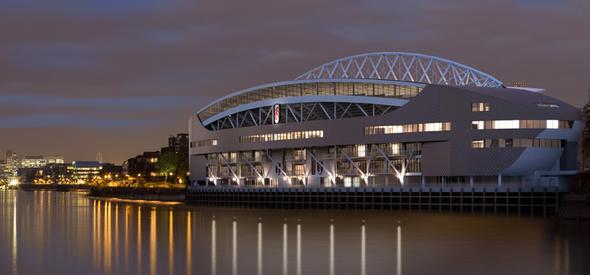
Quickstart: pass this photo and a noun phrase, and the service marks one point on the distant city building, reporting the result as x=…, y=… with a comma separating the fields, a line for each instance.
x=29, y=174
x=33, y=162
x=40, y=161
x=179, y=145
x=143, y=165
x=110, y=170
x=84, y=170
x=56, y=173
x=2, y=175
x=54, y=159
x=11, y=165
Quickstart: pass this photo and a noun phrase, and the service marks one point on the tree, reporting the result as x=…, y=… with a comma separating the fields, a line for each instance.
x=586, y=133
x=167, y=163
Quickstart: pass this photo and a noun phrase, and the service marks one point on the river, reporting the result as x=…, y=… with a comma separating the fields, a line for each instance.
x=45, y=232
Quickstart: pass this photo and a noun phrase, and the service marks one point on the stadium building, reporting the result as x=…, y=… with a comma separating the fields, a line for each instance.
x=386, y=120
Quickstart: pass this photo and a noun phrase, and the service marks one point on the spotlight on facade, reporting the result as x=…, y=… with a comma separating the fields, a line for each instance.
x=13, y=182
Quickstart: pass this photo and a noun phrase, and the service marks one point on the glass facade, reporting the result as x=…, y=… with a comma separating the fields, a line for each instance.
x=521, y=124
x=515, y=143
x=408, y=128
x=282, y=136
x=309, y=89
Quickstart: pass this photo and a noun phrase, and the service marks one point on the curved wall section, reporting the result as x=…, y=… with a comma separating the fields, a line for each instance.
x=302, y=108
x=306, y=88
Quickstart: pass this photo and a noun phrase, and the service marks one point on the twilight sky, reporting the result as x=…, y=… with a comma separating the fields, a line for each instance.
x=117, y=77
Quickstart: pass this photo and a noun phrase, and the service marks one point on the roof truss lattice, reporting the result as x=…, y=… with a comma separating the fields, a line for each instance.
x=402, y=66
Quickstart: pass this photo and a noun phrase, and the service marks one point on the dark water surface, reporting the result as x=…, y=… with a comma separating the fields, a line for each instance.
x=68, y=233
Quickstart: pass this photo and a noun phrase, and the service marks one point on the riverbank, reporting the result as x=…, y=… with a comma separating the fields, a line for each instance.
x=52, y=187
x=575, y=206
x=140, y=193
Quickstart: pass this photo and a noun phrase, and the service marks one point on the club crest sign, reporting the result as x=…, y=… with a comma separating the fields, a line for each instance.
x=277, y=113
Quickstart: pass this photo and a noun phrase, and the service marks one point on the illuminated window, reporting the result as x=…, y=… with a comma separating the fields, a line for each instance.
x=480, y=107
x=299, y=169
x=408, y=128
x=283, y=136
x=395, y=149
x=506, y=124
x=433, y=127
x=207, y=143
x=552, y=124
x=477, y=125
x=521, y=124
x=361, y=150
x=478, y=143
x=515, y=143
x=299, y=154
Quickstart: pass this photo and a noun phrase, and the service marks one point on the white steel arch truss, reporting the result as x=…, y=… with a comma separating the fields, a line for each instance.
x=401, y=66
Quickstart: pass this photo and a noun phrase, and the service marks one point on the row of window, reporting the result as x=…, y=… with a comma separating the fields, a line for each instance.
x=408, y=128
x=283, y=136
x=547, y=105
x=403, y=128
x=390, y=149
x=308, y=89
x=485, y=107
x=515, y=143
x=251, y=156
x=480, y=107
x=521, y=124
x=204, y=143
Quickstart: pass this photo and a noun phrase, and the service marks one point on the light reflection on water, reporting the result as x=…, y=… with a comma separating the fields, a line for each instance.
x=56, y=233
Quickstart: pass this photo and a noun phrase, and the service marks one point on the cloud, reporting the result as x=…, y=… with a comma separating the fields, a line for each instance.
x=126, y=103
x=70, y=121
x=161, y=60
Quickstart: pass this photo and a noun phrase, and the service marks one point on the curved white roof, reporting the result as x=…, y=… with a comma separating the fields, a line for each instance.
x=402, y=66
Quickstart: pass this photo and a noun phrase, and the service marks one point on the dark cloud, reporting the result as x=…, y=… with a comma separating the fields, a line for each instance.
x=137, y=69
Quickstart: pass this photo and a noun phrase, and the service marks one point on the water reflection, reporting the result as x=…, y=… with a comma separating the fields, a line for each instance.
x=138, y=251
x=363, y=250
x=213, y=247
x=285, y=248
x=399, y=250
x=14, y=240
x=298, y=248
x=234, y=245
x=127, y=207
x=259, y=250
x=107, y=237
x=189, y=242
x=331, y=248
x=153, y=242
x=170, y=242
